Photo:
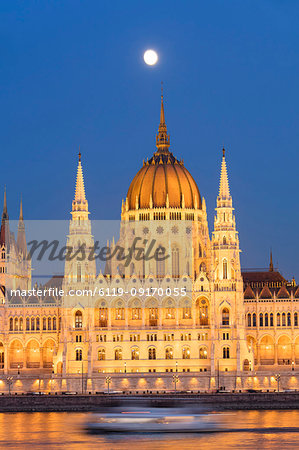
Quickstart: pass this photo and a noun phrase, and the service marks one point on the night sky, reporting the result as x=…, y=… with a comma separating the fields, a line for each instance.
x=72, y=73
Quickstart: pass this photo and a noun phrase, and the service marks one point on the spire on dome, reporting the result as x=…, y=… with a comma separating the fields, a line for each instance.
x=80, y=202
x=224, y=186
x=162, y=138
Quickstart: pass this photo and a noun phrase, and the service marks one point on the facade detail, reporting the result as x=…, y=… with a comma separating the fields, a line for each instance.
x=190, y=310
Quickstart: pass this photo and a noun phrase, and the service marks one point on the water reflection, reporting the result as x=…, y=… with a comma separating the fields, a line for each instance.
x=65, y=430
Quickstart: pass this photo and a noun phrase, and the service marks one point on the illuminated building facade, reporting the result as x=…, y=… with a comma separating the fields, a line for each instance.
x=193, y=313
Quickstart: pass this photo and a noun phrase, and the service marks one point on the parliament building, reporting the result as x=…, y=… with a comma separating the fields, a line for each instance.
x=187, y=319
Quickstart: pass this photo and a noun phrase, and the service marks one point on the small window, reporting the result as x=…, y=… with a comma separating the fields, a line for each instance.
x=152, y=353
x=225, y=317
x=225, y=352
x=101, y=354
x=79, y=354
x=78, y=319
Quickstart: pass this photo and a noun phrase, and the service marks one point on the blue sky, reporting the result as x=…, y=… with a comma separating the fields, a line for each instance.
x=72, y=74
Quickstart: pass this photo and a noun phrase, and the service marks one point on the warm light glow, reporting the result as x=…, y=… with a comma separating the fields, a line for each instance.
x=150, y=57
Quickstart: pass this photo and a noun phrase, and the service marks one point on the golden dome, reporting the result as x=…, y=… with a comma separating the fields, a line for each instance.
x=163, y=181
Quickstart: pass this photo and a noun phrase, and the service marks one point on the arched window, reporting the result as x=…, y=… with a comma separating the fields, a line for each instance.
x=78, y=273
x=44, y=323
x=37, y=324
x=168, y=353
x=225, y=317
x=186, y=353
x=21, y=324
x=152, y=353
x=254, y=320
x=101, y=354
x=203, y=312
x=296, y=319
x=169, y=313
x=283, y=319
x=225, y=269
x=1, y=356
x=266, y=320
x=271, y=320
x=16, y=324
x=103, y=315
x=261, y=320
x=225, y=352
x=32, y=324
x=186, y=313
x=54, y=323
x=175, y=262
x=249, y=320
x=78, y=319
x=160, y=261
x=11, y=324
x=199, y=251
x=119, y=313
x=278, y=319
x=118, y=354
x=27, y=324
x=135, y=353
x=78, y=354
x=202, y=267
x=136, y=313
x=203, y=354
x=224, y=240
x=289, y=319
x=50, y=323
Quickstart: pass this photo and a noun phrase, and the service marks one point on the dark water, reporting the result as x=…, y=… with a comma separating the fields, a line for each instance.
x=65, y=430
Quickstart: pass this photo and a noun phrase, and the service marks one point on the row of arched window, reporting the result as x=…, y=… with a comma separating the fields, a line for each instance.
x=33, y=324
x=152, y=353
x=268, y=319
x=136, y=314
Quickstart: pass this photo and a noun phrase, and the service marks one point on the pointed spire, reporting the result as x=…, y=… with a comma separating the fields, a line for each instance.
x=4, y=213
x=162, y=138
x=21, y=210
x=4, y=232
x=80, y=202
x=271, y=267
x=21, y=237
x=224, y=186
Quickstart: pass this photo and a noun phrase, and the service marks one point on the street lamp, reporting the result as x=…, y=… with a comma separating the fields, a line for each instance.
x=9, y=382
x=293, y=366
x=18, y=370
x=125, y=367
x=175, y=379
x=277, y=378
x=108, y=381
x=176, y=366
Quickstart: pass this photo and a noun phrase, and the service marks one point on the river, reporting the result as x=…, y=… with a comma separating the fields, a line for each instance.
x=65, y=430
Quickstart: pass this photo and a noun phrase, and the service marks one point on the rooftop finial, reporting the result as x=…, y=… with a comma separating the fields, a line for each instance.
x=271, y=267
x=162, y=139
x=21, y=209
x=79, y=154
x=224, y=185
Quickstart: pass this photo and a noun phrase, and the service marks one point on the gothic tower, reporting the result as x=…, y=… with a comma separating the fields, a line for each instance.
x=231, y=351
x=79, y=276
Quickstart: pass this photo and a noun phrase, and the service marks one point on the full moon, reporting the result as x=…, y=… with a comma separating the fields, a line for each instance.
x=150, y=57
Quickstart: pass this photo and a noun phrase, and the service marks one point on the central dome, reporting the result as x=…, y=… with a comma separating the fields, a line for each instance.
x=163, y=181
